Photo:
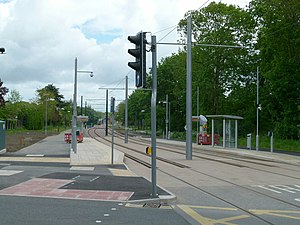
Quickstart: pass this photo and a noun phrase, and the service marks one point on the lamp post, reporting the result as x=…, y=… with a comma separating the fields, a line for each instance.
x=46, y=115
x=74, y=116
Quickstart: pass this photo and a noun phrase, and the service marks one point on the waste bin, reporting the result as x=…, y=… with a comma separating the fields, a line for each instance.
x=249, y=141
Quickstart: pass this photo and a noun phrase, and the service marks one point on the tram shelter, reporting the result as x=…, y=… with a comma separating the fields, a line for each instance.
x=227, y=129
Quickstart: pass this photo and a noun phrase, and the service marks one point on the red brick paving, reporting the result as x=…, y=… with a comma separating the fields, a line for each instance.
x=38, y=187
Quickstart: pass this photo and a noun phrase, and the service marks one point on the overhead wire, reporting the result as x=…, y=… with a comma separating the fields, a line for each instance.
x=175, y=26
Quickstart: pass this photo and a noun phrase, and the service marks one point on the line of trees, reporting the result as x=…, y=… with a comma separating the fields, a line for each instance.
x=269, y=30
x=32, y=115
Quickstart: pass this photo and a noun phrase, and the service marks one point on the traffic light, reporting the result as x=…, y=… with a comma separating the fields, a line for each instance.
x=140, y=58
x=112, y=105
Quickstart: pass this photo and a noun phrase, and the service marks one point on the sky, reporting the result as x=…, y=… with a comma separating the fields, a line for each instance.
x=42, y=38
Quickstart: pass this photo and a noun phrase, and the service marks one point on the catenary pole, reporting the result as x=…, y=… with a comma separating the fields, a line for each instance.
x=257, y=108
x=74, y=117
x=189, y=91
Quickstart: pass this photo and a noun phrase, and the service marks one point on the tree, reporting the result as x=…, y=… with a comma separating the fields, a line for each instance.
x=50, y=95
x=3, y=92
x=50, y=91
x=14, y=96
x=279, y=51
x=218, y=70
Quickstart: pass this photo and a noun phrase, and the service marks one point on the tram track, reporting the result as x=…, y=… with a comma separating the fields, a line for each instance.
x=142, y=153
x=203, y=190
x=196, y=152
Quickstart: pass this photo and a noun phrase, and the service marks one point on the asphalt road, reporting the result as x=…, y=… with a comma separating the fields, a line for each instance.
x=23, y=207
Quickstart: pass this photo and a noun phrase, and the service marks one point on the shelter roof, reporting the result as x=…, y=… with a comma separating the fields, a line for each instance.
x=225, y=117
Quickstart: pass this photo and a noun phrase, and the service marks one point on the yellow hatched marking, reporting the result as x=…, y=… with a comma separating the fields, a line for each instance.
x=225, y=220
x=228, y=220
x=277, y=213
x=202, y=220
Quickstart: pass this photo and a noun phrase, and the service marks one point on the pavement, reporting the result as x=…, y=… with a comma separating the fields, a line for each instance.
x=89, y=175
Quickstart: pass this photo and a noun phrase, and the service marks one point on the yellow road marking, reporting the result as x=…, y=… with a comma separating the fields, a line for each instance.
x=202, y=220
x=188, y=209
x=119, y=172
x=35, y=159
x=225, y=220
x=211, y=207
x=277, y=213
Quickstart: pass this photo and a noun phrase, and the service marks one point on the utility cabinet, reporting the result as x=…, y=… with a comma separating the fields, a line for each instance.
x=2, y=137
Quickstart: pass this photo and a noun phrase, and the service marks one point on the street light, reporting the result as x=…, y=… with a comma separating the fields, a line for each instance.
x=74, y=117
x=46, y=114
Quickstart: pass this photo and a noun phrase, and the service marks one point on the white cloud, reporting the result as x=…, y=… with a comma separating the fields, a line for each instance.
x=42, y=38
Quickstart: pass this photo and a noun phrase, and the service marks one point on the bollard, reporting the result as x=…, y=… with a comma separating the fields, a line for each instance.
x=149, y=150
x=270, y=134
x=249, y=141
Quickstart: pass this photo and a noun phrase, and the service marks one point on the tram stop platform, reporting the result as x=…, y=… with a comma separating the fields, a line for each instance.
x=91, y=152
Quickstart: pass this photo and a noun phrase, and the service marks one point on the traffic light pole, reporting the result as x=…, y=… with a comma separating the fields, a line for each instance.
x=153, y=115
x=126, y=109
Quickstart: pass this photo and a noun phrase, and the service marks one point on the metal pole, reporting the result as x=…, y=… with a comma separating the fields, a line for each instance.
x=212, y=132
x=126, y=109
x=197, y=115
x=224, y=133
x=112, y=128
x=257, y=108
x=189, y=91
x=169, y=121
x=74, y=117
x=236, y=134
x=46, y=117
x=271, y=142
x=81, y=105
x=153, y=115
x=229, y=133
x=167, y=116
x=106, y=114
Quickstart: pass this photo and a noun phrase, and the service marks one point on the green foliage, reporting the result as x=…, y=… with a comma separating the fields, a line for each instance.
x=14, y=96
x=139, y=105
x=279, y=46
x=269, y=32
x=3, y=92
x=32, y=115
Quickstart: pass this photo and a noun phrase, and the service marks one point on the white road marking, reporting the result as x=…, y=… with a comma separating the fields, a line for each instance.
x=263, y=187
x=9, y=172
x=285, y=188
x=35, y=155
x=83, y=168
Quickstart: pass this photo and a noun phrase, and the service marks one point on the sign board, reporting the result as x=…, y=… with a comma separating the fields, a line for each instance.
x=82, y=118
